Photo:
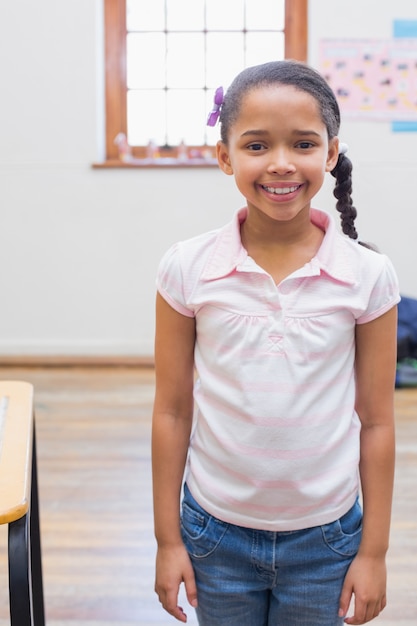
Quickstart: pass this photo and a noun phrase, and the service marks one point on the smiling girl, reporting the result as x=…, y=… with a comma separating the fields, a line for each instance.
x=275, y=359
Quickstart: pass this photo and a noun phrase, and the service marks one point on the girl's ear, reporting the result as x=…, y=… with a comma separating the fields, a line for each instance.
x=223, y=158
x=333, y=154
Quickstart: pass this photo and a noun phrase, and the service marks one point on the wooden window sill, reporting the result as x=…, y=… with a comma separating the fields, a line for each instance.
x=155, y=163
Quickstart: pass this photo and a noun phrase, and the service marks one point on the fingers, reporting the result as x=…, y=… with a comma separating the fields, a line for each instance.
x=366, y=582
x=168, y=590
x=173, y=568
x=345, y=598
x=169, y=600
x=191, y=589
x=179, y=614
x=365, y=611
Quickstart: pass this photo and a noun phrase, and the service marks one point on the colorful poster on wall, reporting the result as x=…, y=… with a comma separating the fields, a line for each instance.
x=372, y=79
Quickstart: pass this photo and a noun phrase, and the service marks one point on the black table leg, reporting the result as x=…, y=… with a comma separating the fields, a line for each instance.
x=25, y=566
x=35, y=545
x=20, y=585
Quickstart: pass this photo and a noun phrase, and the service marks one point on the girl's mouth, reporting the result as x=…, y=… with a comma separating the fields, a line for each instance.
x=281, y=191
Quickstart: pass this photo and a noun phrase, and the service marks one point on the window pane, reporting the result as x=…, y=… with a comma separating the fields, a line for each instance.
x=146, y=114
x=145, y=63
x=222, y=67
x=172, y=73
x=186, y=117
x=265, y=14
x=142, y=15
x=185, y=14
x=185, y=60
x=264, y=47
x=225, y=15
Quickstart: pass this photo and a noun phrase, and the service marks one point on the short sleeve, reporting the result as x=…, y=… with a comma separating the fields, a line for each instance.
x=385, y=292
x=169, y=281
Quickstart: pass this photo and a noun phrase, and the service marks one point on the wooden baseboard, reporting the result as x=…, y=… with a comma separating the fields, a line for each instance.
x=57, y=360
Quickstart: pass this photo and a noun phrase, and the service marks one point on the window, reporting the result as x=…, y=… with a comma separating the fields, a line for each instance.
x=165, y=58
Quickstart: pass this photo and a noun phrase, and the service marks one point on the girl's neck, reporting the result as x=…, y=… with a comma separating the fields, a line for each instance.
x=280, y=248
x=264, y=232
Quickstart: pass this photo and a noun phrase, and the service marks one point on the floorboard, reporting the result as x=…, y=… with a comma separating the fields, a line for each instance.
x=93, y=434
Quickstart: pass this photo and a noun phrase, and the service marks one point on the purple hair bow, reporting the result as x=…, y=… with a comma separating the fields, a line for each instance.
x=215, y=112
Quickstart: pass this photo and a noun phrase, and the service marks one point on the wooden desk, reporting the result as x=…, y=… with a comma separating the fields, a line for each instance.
x=19, y=507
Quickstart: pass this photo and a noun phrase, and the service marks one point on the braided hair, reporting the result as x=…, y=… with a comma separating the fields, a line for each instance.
x=304, y=78
x=342, y=172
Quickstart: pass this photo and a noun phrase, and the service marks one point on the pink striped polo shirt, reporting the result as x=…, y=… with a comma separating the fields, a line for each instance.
x=275, y=443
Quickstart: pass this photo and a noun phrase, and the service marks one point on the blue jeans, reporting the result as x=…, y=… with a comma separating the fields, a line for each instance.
x=250, y=577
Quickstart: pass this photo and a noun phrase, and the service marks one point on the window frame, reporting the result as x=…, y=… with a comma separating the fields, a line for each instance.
x=295, y=33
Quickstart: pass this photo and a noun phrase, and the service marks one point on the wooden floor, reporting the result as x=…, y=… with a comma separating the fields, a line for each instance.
x=93, y=430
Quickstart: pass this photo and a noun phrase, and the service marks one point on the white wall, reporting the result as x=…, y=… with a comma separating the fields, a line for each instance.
x=79, y=246
x=385, y=163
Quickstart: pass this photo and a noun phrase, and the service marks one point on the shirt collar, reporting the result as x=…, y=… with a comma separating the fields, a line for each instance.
x=228, y=253
x=332, y=257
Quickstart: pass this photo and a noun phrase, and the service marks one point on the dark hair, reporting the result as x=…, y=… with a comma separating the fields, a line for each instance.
x=305, y=79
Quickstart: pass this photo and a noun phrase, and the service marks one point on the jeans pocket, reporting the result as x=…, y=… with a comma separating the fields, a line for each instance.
x=344, y=535
x=201, y=532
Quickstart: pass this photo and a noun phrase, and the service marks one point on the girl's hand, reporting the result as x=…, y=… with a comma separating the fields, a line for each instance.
x=366, y=580
x=173, y=567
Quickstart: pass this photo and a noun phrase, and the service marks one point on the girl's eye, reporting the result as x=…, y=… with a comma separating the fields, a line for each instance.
x=256, y=147
x=305, y=145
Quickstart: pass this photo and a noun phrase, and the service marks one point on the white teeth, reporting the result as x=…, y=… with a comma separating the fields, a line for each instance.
x=280, y=191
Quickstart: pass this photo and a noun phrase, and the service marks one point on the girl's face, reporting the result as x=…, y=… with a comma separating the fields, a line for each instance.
x=278, y=151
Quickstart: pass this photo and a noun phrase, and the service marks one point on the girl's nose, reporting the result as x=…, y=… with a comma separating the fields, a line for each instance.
x=281, y=162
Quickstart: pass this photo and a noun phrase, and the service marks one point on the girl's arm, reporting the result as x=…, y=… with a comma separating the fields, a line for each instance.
x=376, y=349
x=171, y=428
